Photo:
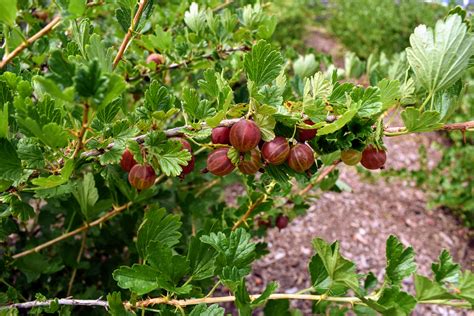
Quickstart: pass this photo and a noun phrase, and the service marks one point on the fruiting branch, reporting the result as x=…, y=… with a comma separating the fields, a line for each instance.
x=177, y=131
x=100, y=220
x=7, y=58
x=217, y=299
x=131, y=30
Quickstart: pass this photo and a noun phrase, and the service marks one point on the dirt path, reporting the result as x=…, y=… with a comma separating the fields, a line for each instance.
x=362, y=220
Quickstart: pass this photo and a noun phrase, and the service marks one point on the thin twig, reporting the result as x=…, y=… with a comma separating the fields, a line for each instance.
x=131, y=30
x=78, y=259
x=320, y=178
x=104, y=218
x=82, y=132
x=7, y=58
x=62, y=301
x=218, y=299
x=250, y=209
x=206, y=56
x=400, y=130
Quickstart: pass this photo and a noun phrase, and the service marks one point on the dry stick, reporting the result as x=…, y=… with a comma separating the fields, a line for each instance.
x=100, y=220
x=129, y=34
x=6, y=59
x=82, y=132
x=320, y=178
x=78, y=259
x=217, y=299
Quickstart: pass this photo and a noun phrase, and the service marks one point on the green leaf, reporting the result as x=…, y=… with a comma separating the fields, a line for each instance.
x=194, y=107
x=54, y=181
x=89, y=80
x=157, y=226
x=62, y=69
x=204, y=310
x=195, y=19
x=438, y=58
x=235, y=250
x=393, y=302
x=330, y=272
x=4, y=121
x=389, y=93
x=36, y=264
x=466, y=286
x=262, y=299
x=86, y=195
x=157, y=97
x=448, y=101
x=107, y=113
x=114, y=88
x=338, y=124
x=277, y=308
x=445, y=270
x=123, y=16
x=30, y=154
x=54, y=135
x=10, y=164
x=96, y=50
x=21, y=210
x=368, y=100
x=242, y=299
x=171, y=267
x=428, y=290
x=201, y=259
x=400, y=261
x=116, y=307
x=8, y=12
x=140, y=279
x=306, y=66
x=172, y=158
x=415, y=121
x=77, y=7
x=263, y=64
x=44, y=86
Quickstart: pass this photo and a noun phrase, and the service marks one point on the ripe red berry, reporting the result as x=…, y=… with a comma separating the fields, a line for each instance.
x=127, y=162
x=218, y=163
x=155, y=58
x=301, y=157
x=244, y=135
x=252, y=165
x=276, y=151
x=220, y=135
x=281, y=221
x=351, y=157
x=306, y=134
x=190, y=166
x=372, y=158
x=142, y=177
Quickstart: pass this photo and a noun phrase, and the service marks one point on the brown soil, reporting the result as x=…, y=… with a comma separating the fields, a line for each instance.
x=363, y=219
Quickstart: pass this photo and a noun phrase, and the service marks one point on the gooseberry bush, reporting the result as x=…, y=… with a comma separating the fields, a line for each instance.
x=119, y=134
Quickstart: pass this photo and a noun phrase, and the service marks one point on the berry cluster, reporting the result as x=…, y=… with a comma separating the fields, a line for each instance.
x=245, y=137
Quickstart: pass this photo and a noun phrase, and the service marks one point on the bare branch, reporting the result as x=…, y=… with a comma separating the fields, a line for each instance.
x=62, y=301
x=6, y=59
